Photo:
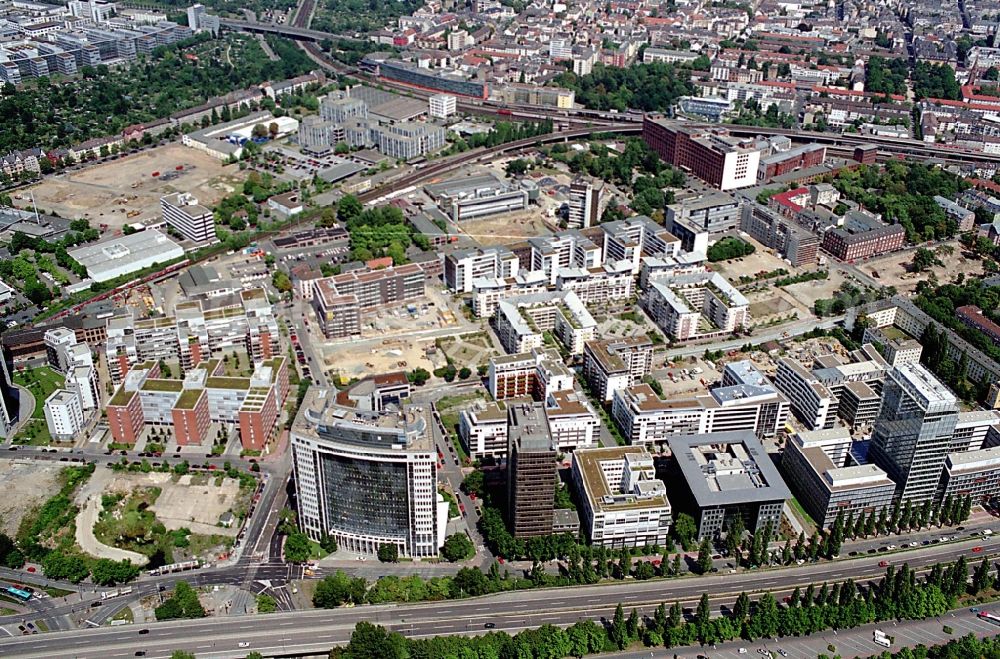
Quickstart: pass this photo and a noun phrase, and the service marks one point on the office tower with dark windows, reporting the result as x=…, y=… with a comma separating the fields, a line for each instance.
x=531, y=470
x=367, y=478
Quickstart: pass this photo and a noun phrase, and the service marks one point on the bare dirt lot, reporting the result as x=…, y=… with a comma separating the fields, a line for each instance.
x=892, y=269
x=191, y=501
x=106, y=193
x=359, y=358
x=32, y=482
x=507, y=228
x=762, y=260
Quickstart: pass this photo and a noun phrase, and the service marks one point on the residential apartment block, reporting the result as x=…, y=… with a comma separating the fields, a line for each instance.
x=521, y=321
x=253, y=404
x=536, y=374
x=339, y=300
x=679, y=305
x=613, y=364
x=198, y=330
x=794, y=243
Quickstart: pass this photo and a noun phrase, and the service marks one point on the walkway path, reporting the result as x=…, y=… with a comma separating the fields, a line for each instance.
x=89, y=498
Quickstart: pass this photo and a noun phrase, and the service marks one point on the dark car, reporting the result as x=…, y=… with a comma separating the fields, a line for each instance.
x=143, y=631
x=490, y=625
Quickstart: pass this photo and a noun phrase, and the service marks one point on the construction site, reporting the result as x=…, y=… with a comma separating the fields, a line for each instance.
x=128, y=189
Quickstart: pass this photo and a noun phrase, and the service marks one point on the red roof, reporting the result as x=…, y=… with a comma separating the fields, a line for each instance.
x=383, y=262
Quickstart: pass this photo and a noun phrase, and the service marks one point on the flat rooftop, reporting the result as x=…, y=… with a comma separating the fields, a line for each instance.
x=321, y=418
x=602, y=496
x=727, y=468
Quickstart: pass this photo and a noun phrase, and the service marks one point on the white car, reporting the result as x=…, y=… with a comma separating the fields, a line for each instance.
x=244, y=644
x=743, y=650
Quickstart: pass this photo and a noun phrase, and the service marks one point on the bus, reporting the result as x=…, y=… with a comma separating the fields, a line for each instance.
x=17, y=593
x=881, y=638
x=988, y=617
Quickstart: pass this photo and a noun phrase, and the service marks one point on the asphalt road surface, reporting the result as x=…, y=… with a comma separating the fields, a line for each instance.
x=302, y=631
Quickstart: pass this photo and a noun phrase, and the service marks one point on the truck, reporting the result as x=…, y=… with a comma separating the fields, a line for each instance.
x=881, y=638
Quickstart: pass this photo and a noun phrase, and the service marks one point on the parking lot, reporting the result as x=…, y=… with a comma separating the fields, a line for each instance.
x=291, y=164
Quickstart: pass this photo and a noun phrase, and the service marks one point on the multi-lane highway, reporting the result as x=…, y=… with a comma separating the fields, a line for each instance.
x=316, y=631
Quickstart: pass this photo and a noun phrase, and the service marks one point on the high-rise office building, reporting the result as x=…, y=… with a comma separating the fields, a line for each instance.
x=913, y=432
x=531, y=471
x=367, y=478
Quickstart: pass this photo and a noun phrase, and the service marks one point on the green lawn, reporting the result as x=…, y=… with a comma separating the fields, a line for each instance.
x=34, y=432
x=125, y=614
x=57, y=592
x=41, y=382
x=801, y=512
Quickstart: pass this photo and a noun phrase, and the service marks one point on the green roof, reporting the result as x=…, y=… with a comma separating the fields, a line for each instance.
x=121, y=398
x=188, y=399
x=227, y=383
x=162, y=385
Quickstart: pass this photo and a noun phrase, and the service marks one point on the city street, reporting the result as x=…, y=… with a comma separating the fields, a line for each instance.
x=317, y=630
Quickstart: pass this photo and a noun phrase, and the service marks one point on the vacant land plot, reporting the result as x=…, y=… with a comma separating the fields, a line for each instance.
x=507, y=228
x=168, y=517
x=367, y=357
x=894, y=269
x=107, y=193
x=762, y=260
x=197, y=503
x=808, y=292
x=28, y=484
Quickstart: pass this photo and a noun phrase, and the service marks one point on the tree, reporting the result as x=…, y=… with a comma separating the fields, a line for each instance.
x=925, y=259
x=685, y=530
x=182, y=604
x=704, y=613
x=337, y=589
x=327, y=542
x=705, y=556
x=266, y=604
x=297, y=547
x=517, y=167
x=106, y=572
x=181, y=654
x=68, y=567
x=618, y=632
x=457, y=547
x=418, y=376
x=348, y=208
x=474, y=483
x=388, y=553
x=370, y=641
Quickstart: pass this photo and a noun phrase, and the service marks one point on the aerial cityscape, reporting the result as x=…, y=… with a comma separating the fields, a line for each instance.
x=499, y=329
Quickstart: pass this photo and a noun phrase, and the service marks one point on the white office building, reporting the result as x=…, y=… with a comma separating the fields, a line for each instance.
x=367, y=478
x=183, y=212
x=442, y=106
x=623, y=504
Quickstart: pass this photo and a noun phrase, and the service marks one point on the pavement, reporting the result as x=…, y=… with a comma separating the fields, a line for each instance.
x=848, y=643
x=318, y=630
x=91, y=545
